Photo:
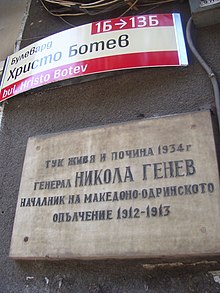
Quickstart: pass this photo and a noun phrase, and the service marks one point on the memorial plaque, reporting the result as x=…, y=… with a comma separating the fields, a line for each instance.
x=147, y=188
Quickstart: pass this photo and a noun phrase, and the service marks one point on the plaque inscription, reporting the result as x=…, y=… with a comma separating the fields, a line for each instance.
x=148, y=188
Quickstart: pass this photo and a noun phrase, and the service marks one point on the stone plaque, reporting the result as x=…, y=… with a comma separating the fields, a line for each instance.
x=148, y=188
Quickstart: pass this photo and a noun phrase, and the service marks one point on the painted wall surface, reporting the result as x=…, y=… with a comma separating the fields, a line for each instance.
x=11, y=20
x=119, y=97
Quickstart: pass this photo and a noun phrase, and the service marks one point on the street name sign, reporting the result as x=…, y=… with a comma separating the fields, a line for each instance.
x=108, y=45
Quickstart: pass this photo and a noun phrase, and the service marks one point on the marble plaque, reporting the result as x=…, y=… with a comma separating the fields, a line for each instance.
x=148, y=188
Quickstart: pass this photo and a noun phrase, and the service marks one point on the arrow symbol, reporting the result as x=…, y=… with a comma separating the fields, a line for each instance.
x=122, y=23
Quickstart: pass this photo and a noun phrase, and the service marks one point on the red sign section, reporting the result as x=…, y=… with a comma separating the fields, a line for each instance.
x=111, y=63
x=140, y=21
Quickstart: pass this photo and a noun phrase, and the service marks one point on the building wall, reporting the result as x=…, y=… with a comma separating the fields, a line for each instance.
x=12, y=19
x=119, y=97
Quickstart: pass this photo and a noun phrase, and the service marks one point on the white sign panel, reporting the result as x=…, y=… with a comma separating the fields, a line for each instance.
x=121, y=43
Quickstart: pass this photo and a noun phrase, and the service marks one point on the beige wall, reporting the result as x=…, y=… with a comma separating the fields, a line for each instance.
x=13, y=14
x=12, y=17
